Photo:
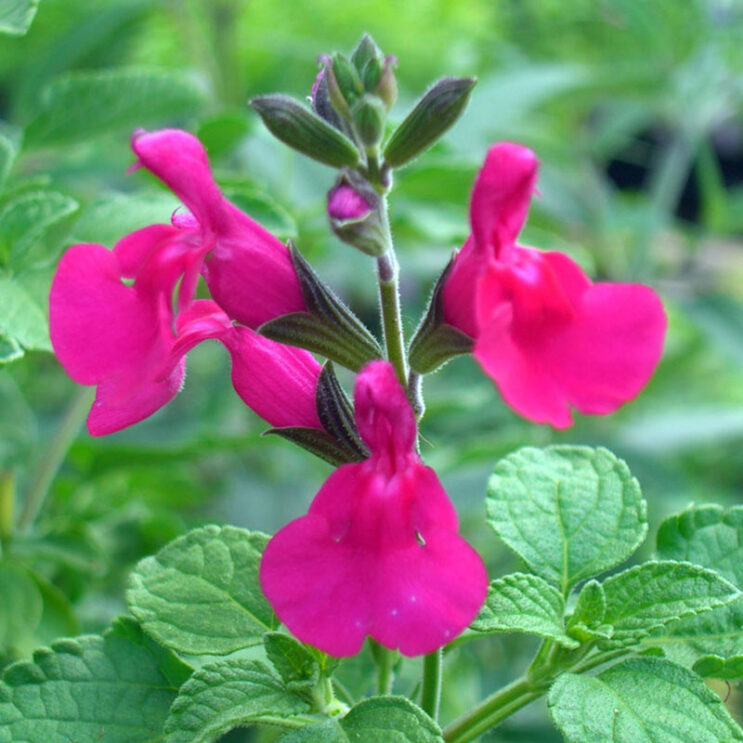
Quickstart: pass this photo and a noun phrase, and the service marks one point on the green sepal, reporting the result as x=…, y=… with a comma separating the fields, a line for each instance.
x=328, y=327
x=336, y=412
x=435, y=112
x=317, y=442
x=301, y=129
x=435, y=342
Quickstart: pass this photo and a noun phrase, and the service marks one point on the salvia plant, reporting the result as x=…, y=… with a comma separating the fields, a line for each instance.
x=230, y=627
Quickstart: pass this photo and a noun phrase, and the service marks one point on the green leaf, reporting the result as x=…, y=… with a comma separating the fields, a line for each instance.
x=712, y=537
x=107, y=219
x=713, y=666
x=376, y=720
x=82, y=687
x=650, y=596
x=293, y=661
x=647, y=700
x=16, y=16
x=524, y=603
x=21, y=319
x=25, y=220
x=80, y=105
x=571, y=512
x=201, y=594
x=21, y=607
x=706, y=535
x=175, y=670
x=587, y=620
x=227, y=694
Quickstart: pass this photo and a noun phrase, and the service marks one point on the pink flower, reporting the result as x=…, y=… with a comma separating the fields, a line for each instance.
x=126, y=339
x=548, y=337
x=378, y=553
x=249, y=272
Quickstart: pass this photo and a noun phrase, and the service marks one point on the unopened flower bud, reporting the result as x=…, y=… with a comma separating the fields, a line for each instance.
x=354, y=213
x=386, y=88
x=295, y=125
x=434, y=113
x=365, y=51
x=321, y=100
x=369, y=114
x=345, y=203
x=347, y=77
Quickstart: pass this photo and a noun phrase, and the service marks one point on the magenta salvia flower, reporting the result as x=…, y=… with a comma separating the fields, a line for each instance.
x=548, y=337
x=249, y=271
x=378, y=554
x=127, y=341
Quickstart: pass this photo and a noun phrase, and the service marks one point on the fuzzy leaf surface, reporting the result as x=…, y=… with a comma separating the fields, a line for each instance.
x=643, y=700
x=201, y=594
x=712, y=537
x=523, y=603
x=571, y=512
x=83, y=686
x=376, y=720
x=227, y=694
x=650, y=596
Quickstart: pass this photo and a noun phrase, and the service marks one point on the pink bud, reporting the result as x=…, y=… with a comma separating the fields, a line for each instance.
x=345, y=203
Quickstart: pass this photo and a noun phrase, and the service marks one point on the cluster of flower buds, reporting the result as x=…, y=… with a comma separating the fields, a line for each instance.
x=378, y=554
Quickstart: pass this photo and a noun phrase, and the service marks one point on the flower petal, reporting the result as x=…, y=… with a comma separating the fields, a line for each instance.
x=551, y=340
x=375, y=556
x=501, y=196
x=250, y=273
x=125, y=398
x=383, y=414
x=134, y=249
x=458, y=294
x=278, y=382
x=179, y=160
x=98, y=324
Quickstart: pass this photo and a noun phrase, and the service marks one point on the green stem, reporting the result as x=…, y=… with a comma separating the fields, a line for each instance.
x=599, y=660
x=431, y=692
x=389, y=298
x=54, y=456
x=493, y=710
x=386, y=676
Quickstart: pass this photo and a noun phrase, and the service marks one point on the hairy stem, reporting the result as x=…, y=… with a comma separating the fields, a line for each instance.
x=389, y=298
x=54, y=455
x=431, y=691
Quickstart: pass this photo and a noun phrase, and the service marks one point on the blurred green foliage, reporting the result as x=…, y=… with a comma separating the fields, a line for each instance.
x=635, y=108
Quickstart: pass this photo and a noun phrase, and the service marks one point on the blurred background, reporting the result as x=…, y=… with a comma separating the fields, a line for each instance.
x=635, y=108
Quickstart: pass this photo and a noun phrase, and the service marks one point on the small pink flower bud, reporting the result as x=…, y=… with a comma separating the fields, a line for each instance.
x=345, y=203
